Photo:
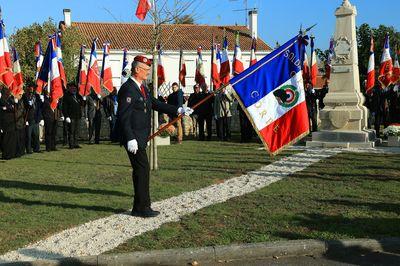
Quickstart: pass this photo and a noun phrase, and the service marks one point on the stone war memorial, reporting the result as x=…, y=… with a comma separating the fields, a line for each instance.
x=344, y=118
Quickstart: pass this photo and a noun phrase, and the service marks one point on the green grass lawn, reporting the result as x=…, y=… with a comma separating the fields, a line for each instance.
x=41, y=194
x=347, y=196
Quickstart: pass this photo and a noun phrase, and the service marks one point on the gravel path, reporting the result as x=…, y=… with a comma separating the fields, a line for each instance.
x=99, y=236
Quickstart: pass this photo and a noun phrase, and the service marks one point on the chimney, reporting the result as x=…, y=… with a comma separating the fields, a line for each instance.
x=253, y=22
x=67, y=17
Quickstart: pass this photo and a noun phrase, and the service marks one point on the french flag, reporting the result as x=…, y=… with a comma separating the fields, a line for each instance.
x=214, y=67
x=306, y=68
x=182, y=69
x=328, y=65
x=60, y=59
x=125, y=67
x=200, y=75
x=6, y=75
x=143, y=7
x=39, y=61
x=50, y=74
x=160, y=68
x=386, y=68
x=82, y=71
x=18, y=80
x=93, y=76
x=237, y=64
x=371, y=69
x=225, y=70
x=272, y=94
x=314, y=66
x=106, y=73
x=253, y=57
x=396, y=69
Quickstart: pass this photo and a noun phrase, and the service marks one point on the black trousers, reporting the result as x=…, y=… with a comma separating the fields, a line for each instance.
x=113, y=130
x=50, y=132
x=32, y=138
x=208, y=120
x=20, y=142
x=94, y=127
x=65, y=132
x=224, y=127
x=313, y=121
x=9, y=144
x=73, y=133
x=141, y=179
x=246, y=129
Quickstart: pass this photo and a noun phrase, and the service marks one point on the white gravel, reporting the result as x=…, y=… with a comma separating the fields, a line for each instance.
x=99, y=236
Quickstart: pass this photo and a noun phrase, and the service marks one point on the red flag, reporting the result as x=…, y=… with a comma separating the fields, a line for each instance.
x=143, y=7
x=59, y=59
x=396, y=69
x=6, y=75
x=200, y=76
x=106, y=73
x=306, y=68
x=93, y=76
x=371, y=69
x=314, y=66
x=225, y=71
x=182, y=69
x=82, y=71
x=214, y=67
x=386, y=68
x=18, y=80
x=160, y=68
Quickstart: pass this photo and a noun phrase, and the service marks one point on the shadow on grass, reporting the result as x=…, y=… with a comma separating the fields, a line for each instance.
x=58, y=188
x=6, y=199
x=78, y=162
x=376, y=206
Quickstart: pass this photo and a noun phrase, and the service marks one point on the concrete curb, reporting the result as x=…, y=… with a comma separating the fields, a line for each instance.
x=228, y=253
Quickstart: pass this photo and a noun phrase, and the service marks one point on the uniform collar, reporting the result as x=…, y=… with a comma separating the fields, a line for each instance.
x=137, y=82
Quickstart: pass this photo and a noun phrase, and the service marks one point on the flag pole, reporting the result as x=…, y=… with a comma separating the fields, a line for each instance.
x=180, y=66
x=212, y=64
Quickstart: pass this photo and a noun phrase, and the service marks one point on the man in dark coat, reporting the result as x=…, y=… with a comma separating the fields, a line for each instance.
x=205, y=112
x=93, y=114
x=110, y=105
x=194, y=98
x=176, y=99
x=50, y=118
x=311, y=101
x=134, y=121
x=20, y=124
x=72, y=109
x=33, y=107
x=8, y=126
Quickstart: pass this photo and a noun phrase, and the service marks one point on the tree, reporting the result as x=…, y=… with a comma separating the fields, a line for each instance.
x=25, y=38
x=185, y=19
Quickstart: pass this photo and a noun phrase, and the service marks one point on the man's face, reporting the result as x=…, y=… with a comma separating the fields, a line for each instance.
x=196, y=89
x=142, y=72
x=174, y=88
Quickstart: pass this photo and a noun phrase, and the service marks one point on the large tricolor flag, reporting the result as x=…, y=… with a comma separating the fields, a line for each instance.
x=38, y=58
x=182, y=69
x=371, y=69
x=143, y=7
x=225, y=70
x=216, y=82
x=18, y=80
x=396, y=68
x=125, y=67
x=328, y=65
x=253, y=57
x=106, y=73
x=50, y=74
x=314, y=66
x=385, y=70
x=272, y=94
x=6, y=75
x=237, y=64
x=93, y=76
x=82, y=71
x=60, y=59
x=200, y=74
x=160, y=68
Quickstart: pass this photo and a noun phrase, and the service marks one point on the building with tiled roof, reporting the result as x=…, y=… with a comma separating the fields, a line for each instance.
x=137, y=39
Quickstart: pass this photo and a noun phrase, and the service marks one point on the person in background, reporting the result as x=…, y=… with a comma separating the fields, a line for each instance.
x=176, y=99
x=222, y=112
x=72, y=110
x=34, y=118
x=194, y=98
x=8, y=125
x=110, y=105
x=93, y=114
x=20, y=124
x=205, y=113
x=311, y=101
x=50, y=118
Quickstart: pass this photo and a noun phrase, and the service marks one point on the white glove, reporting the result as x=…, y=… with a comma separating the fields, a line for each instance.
x=132, y=146
x=41, y=97
x=61, y=118
x=110, y=118
x=396, y=88
x=1, y=131
x=41, y=123
x=15, y=100
x=0, y=94
x=27, y=123
x=312, y=90
x=68, y=120
x=185, y=110
x=87, y=119
x=30, y=103
x=99, y=96
x=84, y=98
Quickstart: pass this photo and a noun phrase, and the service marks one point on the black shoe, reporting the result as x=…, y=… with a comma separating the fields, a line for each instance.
x=71, y=147
x=145, y=214
x=77, y=147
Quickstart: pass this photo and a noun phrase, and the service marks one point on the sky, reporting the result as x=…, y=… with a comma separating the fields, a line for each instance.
x=279, y=20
